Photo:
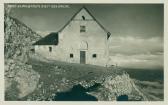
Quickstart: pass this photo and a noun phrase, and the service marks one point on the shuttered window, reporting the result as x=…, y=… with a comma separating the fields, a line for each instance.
x=82, y=28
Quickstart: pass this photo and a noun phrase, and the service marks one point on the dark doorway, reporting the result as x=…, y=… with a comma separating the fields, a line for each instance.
x=82, y=57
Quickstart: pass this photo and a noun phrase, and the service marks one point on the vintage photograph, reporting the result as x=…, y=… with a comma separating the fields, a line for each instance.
x=83, y=52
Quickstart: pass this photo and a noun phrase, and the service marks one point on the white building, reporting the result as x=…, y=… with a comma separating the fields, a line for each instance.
x=82, y=40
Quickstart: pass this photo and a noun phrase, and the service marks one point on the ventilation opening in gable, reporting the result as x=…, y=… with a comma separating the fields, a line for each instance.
x=83, y=17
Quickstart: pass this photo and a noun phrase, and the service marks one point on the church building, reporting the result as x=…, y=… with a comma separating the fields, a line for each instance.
x=82, y=40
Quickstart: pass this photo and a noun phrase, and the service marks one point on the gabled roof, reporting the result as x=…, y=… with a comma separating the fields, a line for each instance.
x=51, y=39
x=89, y=14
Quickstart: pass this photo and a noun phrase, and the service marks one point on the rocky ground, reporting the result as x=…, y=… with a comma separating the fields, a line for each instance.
x=56, y=77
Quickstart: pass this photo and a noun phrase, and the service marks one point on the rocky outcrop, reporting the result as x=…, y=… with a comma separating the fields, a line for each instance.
x=19, y=76
x=25, y=77
x=18, y=39
x=114, y=87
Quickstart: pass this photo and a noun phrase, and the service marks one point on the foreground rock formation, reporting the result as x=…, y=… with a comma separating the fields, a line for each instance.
x=114, y=87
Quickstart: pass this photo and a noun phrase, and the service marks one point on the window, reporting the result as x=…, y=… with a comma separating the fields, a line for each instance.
x=82, y=29
x=50, y=49
x=32, y=50
x=94, y=55
x=83, y=17
x=71, y=55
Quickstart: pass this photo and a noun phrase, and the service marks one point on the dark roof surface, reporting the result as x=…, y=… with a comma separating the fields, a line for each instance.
x=51, y=39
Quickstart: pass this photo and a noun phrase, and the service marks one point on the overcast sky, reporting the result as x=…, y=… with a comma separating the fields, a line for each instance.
x=137, y=29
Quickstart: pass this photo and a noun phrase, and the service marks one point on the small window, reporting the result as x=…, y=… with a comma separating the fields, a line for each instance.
x=82, y=29
x=83, y=17
x=50, y=49
x=94, y=55
x=32, y=50
x=71, y=55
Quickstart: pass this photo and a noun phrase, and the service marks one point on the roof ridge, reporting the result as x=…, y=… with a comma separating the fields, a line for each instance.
x=70, y=19
x=96, y=20
x=83, y=7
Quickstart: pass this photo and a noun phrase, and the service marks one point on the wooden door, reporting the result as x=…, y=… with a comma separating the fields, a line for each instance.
x=82, y=57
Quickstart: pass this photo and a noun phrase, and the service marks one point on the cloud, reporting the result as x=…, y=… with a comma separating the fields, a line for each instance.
x=147, y=61
x=133, y=52
x=134, y=45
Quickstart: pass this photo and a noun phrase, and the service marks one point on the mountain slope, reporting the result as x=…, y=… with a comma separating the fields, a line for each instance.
x=20, y=78
x=18, y=39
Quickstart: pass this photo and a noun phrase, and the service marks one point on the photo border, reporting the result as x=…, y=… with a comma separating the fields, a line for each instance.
x=2, y=90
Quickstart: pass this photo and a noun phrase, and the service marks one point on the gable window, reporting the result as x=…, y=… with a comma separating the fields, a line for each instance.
x=82, y=28
x=94, y=55
x=83, y=17
x=50, y=49
x=71, y=55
